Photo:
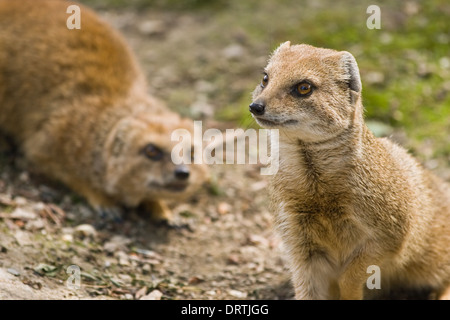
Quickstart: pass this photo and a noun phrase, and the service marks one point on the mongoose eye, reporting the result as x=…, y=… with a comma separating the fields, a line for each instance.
x=303, y=88
x=153, y=153
x=265, y=80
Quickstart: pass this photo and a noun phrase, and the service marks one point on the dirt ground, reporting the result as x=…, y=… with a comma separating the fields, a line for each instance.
x=227, y=250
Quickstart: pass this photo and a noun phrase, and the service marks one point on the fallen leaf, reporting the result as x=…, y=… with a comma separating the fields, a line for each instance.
x=258, y=240
x=89, y=276
x=116, y=283
x=140, y=293
x=233, y=259
x=45, y=269
x=149, y=254
x=195, y=280
x=33, y=284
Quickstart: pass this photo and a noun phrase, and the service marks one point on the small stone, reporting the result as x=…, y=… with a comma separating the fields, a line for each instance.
x=154, y=295
x=39, y=206
x=146, y=268
x=67, y=238
x=237, y=294
x=211, y=293
x=20, y=201
x=23, y=238
x=23, y=214
x=223, y=208
x=128, y=296
x=13, y=271
x=34, y=225
x=122, y=258
x=85, y=231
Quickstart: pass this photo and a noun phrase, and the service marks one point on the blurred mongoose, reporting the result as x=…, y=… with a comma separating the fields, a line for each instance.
x=344, y=200
x=76, y=104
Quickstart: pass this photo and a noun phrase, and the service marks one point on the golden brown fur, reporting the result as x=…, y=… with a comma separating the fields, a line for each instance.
x=343, y=199
x=75, y=102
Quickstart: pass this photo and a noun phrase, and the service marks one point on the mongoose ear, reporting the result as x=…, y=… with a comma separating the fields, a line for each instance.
x=283, y=46
x=352, y=71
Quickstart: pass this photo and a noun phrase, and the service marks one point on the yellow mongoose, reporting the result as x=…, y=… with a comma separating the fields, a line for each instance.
x=345, y=201
x=75, y=102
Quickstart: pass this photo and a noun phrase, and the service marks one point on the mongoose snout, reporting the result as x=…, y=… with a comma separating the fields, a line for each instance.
x=257, y=108
x=182, y=172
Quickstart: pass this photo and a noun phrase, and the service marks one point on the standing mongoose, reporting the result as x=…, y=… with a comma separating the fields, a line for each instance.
x=346, y=202
x=75, y=102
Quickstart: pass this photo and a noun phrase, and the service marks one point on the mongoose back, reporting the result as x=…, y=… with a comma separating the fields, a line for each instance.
x=347, y=204
x=76, y=104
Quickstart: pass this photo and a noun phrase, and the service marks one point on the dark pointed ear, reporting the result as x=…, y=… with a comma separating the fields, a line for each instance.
x=351, y=71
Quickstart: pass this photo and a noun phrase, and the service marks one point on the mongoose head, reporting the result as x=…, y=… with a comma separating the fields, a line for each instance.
x=311, y=92
x=138, y=160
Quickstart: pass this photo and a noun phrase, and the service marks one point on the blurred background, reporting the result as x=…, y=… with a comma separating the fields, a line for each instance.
x=204, y=57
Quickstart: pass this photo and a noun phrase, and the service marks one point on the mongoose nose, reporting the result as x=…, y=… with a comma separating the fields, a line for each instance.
x=182, y=173
x=257, y=109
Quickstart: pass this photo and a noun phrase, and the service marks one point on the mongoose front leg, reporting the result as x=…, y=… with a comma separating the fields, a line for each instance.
x=351, y=286
x=354, y=278
x=158, y=210
x=445, y=295
x=313, y=280
x=315, y=288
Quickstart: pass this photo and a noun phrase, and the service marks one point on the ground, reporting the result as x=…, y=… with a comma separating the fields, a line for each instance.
x=228, y=250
